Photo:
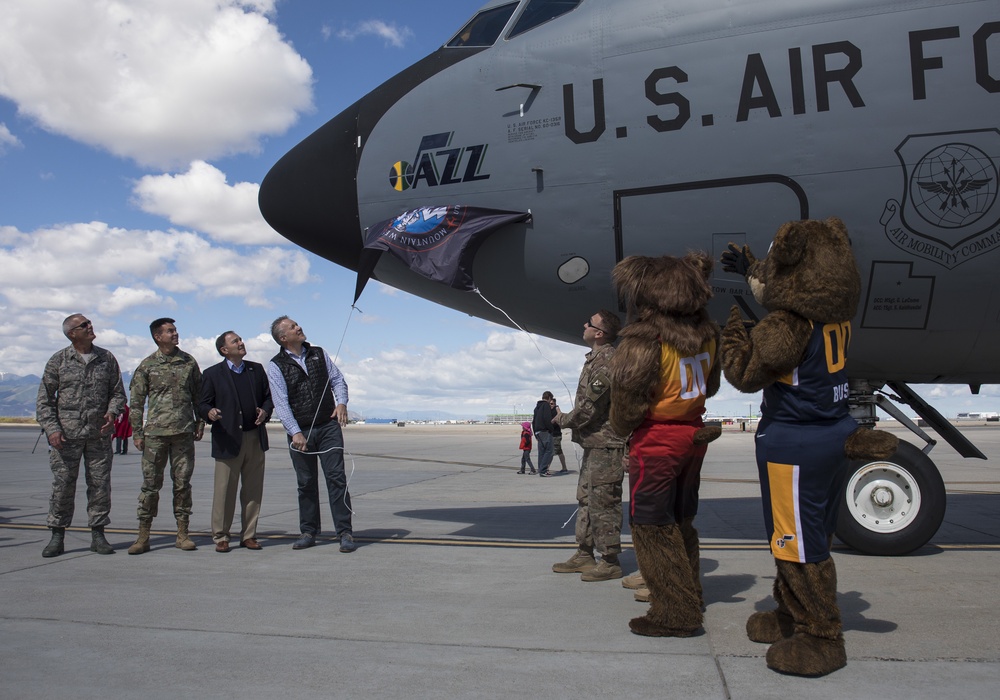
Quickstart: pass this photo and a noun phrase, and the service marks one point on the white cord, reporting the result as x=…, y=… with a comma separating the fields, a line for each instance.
x=530, y=337
x=573, y=515
x=347, y=485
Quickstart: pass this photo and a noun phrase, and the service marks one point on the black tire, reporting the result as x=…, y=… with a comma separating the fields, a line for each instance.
x=917, y=499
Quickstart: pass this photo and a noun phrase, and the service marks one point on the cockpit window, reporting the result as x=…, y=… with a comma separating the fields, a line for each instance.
x=539, y=11
x=484, y=29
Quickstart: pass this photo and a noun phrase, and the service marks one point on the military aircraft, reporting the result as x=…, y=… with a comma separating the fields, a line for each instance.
x=661, y=126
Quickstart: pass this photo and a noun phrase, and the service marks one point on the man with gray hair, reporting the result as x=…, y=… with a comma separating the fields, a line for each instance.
x=80, y=395
x=310, y=400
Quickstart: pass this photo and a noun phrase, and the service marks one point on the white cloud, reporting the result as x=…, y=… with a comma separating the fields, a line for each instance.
x=394, y=35
x=202, y=199
x=28, y=338
x=488, y=376
x=112, y=269
x=124, y=298
x=162, y=82
x=7, y=139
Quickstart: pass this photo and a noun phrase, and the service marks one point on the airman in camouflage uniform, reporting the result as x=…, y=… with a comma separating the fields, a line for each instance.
x=80, y=395
x=171, y=382
x=599, y=489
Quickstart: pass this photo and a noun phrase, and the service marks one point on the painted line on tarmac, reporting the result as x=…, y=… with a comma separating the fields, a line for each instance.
x=488, y=544
x=458, y=463
x=423, y=460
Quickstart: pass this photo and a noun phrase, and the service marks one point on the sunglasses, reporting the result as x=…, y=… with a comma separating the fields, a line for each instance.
x=588, y=324
x=85, y=324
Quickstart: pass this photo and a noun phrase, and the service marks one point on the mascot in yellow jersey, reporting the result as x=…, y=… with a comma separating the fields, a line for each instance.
x=797, y=354
x=664, y=368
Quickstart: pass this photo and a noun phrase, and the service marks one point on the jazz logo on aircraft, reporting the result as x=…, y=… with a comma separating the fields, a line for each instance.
x=438, y=163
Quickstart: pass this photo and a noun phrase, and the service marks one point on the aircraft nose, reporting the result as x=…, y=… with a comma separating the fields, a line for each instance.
x=310, y=196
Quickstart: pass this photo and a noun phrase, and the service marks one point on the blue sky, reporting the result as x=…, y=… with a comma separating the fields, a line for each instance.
x=133, y=137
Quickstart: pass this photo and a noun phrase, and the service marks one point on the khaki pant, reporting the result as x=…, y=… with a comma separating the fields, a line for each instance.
x=65, y=464
x=599, y=494
x=158, y=449
x=248, y=468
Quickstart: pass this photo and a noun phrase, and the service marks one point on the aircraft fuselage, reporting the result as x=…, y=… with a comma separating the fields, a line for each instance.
x=644, y=127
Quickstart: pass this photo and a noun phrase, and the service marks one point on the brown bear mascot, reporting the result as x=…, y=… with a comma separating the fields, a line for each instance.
x=662, y=372
x=810, y=286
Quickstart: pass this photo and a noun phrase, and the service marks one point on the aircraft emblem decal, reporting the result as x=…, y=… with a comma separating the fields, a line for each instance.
x=953, y=187
x=949, y=212
x=437, y=163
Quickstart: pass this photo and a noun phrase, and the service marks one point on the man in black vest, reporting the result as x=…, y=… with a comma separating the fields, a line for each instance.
x=310, y=400
x=236, y=400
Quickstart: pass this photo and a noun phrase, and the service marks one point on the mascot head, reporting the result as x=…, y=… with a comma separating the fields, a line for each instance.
x=664, y=285
x=809, y=270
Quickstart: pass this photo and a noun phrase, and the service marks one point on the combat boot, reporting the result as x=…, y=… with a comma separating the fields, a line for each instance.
x=580, y=561
x=634, y=581
x=98, y=543
x=183, y=541
x=607, y=570
x=142, y=542
x=56, y=545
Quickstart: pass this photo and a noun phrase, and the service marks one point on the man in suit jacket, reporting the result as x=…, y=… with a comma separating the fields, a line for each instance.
x=236, y=400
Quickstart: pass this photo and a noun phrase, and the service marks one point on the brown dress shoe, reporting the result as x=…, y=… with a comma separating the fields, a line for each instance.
x=251, y=543
x=222, y=546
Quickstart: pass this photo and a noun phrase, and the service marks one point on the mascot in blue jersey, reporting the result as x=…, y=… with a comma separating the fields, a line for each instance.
x=797, y=354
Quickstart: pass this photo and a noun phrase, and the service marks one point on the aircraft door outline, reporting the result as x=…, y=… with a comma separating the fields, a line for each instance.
x=704, y=227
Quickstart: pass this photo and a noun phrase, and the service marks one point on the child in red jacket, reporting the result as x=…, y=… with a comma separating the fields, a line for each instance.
x=526, y=447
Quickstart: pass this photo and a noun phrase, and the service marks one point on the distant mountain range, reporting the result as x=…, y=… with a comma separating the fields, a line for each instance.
x=18, y=396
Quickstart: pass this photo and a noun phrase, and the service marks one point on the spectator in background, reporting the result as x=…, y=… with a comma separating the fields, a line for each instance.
x=123, y=431
x=557, y=450
x=541, y=423
x=526, y=447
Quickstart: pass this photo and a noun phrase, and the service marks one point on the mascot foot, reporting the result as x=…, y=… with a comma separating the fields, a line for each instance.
x=868, y=444
x=769, y=626
x=805, y=655
x=647, y=628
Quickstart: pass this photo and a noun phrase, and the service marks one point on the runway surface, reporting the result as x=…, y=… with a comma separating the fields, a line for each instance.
x=451, y=594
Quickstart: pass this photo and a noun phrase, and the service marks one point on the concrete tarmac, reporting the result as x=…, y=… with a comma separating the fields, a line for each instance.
x=451, y=594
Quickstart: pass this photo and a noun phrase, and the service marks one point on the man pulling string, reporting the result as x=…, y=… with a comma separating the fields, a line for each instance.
x=309, y=390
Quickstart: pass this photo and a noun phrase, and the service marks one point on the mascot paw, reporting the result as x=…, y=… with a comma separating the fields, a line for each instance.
x=737, y=259
x=769, y=626
x=865, y=443
x=735, y=317
x=805, y=655
x=705, y=435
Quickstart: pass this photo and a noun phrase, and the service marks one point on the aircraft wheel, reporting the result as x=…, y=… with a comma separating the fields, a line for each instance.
x=892, y=506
